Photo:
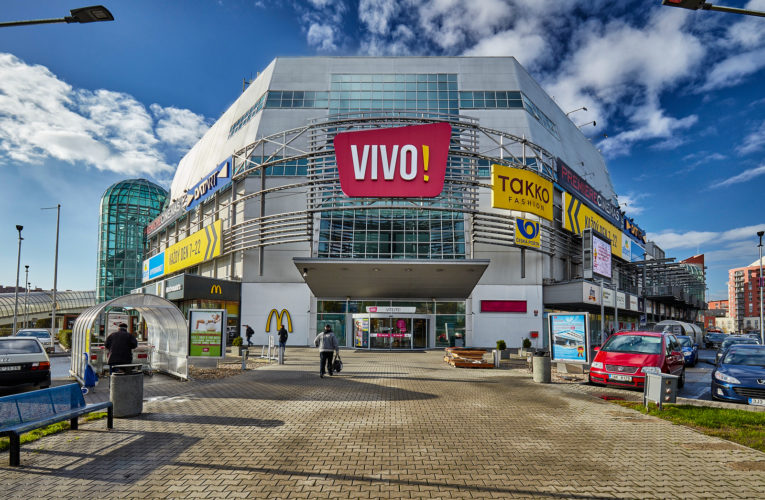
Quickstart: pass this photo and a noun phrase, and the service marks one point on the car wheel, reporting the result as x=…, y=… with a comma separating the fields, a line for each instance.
x=681, y=382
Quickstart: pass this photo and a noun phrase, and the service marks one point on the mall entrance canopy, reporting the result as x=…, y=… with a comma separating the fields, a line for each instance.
x=165, y=324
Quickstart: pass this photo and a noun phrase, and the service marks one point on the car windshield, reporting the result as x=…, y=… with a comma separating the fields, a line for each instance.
x=37, y=334
x=642, y=344
x=685, y=341
x=750, y=357
x=19, y=346
x=745, y=340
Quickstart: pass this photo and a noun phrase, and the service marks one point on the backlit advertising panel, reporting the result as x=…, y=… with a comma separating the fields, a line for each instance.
x=569, y=338
x=400, y=162
x=601, y=256
x=206, y=338
x=521, y=190
x=154, y=267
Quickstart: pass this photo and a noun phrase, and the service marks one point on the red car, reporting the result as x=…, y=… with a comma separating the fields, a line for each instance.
x=626, y=357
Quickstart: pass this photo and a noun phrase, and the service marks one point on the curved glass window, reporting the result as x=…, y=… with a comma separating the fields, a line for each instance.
x=127, y=207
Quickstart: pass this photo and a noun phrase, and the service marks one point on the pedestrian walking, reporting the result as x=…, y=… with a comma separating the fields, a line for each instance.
x=120, y=345
x=282, y=342
x=327, y=344
x=249, y=333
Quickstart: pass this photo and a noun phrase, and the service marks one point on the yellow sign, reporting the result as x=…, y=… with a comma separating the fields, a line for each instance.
x=216, y=289
x=279, y=317
x=201, y=246
x=522, y=190
x=527, y=233
x=577, y=217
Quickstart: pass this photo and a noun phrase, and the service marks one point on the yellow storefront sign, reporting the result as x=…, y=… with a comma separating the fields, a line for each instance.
x=577, y=217
x=200, y=247
x=522, y=190
x=527, y=233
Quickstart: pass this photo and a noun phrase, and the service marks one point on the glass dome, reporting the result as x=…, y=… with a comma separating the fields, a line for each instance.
x=127, y=207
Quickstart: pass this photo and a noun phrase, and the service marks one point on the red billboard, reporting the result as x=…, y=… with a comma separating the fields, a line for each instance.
x=402, y=162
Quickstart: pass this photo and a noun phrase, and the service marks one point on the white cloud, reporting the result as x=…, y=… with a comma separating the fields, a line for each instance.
x=178, y=127
x=753, y=142
x=322, y=36
x=377, y=15
x=631, y=203
x=734, y=69
x=525, y=44
x=42, y=117
x=744, y=176
x=692, y=239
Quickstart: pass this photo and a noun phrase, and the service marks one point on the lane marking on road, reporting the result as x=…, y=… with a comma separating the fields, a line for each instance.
x=701, y=393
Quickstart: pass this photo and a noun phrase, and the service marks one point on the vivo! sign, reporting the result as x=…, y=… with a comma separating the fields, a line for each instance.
x=403, y=162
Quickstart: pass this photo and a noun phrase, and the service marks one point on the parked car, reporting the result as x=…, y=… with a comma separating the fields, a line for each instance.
x=740, y=375
x=690, y=350
x=40, y=334
x=626, y=357
x=23, y=361
x=732, y=340
x=714, y=339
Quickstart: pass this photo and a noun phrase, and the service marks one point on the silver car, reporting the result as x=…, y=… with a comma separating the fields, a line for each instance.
x=23, y=361
x=40, y=334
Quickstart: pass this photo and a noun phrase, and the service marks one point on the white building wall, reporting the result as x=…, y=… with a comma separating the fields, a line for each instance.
x=258, y=299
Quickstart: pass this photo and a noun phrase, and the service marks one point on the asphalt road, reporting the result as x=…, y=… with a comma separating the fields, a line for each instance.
x=698, y=379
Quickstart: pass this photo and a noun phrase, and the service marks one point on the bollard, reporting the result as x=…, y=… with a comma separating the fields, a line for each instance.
x=497, y=355
x=541, y=365
x=244, y=352
x=281, y=355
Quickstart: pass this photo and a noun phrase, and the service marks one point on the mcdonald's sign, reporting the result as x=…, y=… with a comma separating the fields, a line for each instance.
x=280, y=316
x=216, y=289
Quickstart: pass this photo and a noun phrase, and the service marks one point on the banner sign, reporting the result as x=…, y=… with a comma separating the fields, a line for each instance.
x=527, y=233
x=401, y=162
x=206, y=334
x=578, y=217
x=201, y=246
x=569, y=339
x=521, y=190
x=621, y=300
x=634, y=231
x=219, y=177
x=171, y=213
x=608, y=297
x=601, y=256
x=153, y=267
x=571, y=182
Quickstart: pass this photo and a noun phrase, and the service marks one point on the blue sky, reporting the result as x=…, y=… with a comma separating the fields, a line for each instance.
x=678, y=96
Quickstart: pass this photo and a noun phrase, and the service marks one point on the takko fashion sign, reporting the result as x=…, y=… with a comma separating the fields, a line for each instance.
x=402, y=162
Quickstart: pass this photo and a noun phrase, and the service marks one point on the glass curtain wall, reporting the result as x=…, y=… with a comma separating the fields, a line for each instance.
x=127, y=207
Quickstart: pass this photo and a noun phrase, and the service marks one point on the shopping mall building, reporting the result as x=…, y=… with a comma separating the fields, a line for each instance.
x=409, y=202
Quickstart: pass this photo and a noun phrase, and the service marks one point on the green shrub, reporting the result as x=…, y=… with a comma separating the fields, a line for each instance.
x=501, y=345
x=65, y=338
x=237, y=341
x=526, y=343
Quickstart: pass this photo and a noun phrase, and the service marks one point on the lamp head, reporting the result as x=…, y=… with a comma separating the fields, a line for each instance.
x=19, y=228
x=759, y=233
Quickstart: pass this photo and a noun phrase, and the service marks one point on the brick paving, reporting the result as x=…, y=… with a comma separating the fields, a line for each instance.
x=400, y=425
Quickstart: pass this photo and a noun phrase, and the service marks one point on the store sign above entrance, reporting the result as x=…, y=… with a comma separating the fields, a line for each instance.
x=522, y=190
x=388, y=309
x=571, y=182
x=200, y=247
x=402, y=162
x=219, y=177
x=577, y=217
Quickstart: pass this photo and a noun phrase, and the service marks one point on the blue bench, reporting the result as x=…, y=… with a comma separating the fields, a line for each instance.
x=25, y=412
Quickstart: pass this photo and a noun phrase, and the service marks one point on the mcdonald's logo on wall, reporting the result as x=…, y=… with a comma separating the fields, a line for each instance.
x=216, y=289
x=280, y=316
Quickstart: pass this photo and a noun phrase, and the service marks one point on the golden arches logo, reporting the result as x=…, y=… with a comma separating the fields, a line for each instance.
x=216, y=289
x=280, y=316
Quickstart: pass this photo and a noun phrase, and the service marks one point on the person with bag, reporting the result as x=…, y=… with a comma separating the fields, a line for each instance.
x=249, y=333
x=327, y=344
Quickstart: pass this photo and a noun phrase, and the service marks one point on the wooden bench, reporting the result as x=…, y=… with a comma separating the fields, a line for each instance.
x=25, y=412
x=461, y=357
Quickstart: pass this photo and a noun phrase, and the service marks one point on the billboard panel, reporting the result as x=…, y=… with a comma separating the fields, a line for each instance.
x=201, y=246
x=521, y=190
x=206, y=334
x=601, y=256
x=569, y=338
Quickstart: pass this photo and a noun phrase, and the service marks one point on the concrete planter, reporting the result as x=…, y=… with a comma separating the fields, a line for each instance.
x=522, y=353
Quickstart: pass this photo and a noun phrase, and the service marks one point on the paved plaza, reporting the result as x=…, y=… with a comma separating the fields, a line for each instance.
x=391, y=425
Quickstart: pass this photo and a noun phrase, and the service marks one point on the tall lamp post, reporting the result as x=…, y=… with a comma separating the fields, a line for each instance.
x=760, y=284
x=26, y=298
x=55, y=271
x=16, y=294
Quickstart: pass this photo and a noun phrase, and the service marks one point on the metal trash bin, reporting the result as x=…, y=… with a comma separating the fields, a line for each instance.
x=126, y=390
x=541, y=368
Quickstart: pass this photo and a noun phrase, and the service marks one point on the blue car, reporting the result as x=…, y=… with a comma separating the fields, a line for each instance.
x=740, y=375
x=690, y=350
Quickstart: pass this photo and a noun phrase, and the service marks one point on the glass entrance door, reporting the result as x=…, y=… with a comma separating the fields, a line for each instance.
x=401, y=332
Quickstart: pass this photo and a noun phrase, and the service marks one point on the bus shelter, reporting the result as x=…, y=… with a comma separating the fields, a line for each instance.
x=166, y=327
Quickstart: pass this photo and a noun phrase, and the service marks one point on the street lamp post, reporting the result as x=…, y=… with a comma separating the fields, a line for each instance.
x=55, y=271
x=26, y=298
x=760, y=284
x=16, y=290
x=93, y=14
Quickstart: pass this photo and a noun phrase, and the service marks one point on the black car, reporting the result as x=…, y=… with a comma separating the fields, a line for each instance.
x=714, y=339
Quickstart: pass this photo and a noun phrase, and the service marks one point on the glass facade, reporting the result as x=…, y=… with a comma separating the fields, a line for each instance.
x=127, y=207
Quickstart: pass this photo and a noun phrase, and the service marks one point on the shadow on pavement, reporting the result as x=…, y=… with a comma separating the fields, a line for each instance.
x=209, y=420
x=371, y=480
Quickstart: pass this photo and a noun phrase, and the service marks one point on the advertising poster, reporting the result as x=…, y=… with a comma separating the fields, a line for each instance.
x=601, y=257
x=206, y=332
x=361, y=332
x=569, y=339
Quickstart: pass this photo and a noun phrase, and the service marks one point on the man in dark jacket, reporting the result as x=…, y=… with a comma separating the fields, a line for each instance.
x=327, y=344
x=249, y=332
x=120, y=345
